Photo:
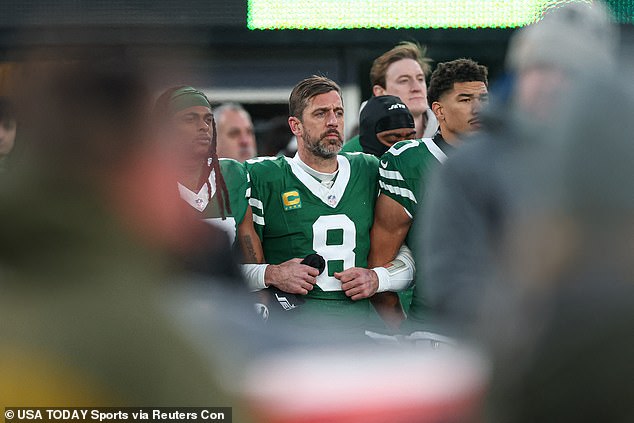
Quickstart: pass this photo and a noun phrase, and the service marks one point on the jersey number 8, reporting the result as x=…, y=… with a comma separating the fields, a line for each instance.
x=334, y=238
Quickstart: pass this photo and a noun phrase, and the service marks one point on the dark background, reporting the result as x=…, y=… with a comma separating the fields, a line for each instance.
x=205, y=43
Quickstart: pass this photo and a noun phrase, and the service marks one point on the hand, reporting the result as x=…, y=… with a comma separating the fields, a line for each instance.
x=291, y=276
x=358, y=283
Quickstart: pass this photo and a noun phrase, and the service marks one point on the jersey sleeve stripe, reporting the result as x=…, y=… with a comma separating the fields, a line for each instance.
x=402, y=192
x=254, y=202
x=258, y=219
x=391, y=174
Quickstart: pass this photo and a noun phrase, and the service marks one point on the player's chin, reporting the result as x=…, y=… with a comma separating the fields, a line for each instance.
x=332, y=145
x=418, y=105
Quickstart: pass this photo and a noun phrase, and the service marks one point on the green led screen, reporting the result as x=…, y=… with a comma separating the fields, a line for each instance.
x=351, y=14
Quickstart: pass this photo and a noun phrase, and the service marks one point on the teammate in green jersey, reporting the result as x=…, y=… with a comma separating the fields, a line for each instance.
x=456, y=93
x=215, y=188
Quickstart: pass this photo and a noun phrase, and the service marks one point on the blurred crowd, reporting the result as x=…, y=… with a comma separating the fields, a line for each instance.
x=466, y=258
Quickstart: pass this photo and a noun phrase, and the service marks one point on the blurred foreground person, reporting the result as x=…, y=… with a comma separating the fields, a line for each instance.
x=87, y=260
x=472, y=195
x=422, y=386
x=565, y=345
x=8, y=126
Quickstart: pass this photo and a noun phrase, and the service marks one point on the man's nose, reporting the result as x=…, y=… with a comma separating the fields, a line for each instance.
x=332, y=119
x=478, y=104
x=416, y=85
x=245, y=138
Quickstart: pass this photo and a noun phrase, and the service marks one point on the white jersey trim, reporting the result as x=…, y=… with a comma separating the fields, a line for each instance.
x=201, y=199
x=254, y=202
x=403, y=192
x=332, y=196
x=391, y=174
x=434, y=149
x=258, y=219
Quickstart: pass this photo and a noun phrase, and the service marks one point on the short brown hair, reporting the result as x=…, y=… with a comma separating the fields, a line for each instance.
x=403, y=50
x=307, y=89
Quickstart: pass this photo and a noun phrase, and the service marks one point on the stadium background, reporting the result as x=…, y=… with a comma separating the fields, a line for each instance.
x=208, y=43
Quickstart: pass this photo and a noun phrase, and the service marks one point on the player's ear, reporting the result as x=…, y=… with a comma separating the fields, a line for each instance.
x=378, y=90
x=437, y=108
x=296, y=125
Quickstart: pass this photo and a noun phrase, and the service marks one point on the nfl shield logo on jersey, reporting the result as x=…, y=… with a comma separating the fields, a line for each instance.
x=332, y=200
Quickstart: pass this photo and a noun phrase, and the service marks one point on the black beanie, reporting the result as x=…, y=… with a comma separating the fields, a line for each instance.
x=382, y=113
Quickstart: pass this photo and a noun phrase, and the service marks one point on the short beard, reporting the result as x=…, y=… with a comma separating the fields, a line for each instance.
x=322, y=150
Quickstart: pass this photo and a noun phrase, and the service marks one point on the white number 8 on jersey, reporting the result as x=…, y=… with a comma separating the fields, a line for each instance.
x=342, y=252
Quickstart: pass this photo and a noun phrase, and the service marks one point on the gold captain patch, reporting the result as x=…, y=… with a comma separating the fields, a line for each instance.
x=291, y=200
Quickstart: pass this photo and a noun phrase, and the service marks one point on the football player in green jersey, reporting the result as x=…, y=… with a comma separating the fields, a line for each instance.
x=317, y=202
x=215, y=188
x=456, y=94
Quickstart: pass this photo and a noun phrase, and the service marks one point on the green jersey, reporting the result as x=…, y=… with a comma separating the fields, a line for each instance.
x=353, y=145
x=295, y=215
x=235, y=178
x=404, y=170
x=403, y=173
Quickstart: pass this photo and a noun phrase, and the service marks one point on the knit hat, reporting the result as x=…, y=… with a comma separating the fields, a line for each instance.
x=382, y=113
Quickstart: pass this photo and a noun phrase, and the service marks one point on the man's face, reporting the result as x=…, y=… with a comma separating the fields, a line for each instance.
x=7, y=137
x=192, y=131
x=392, y=136
x=235, y=136
x=405, y=79
x=321, y=126
x=458, y=110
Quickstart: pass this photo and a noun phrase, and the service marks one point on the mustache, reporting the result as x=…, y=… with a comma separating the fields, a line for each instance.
x=332, y=132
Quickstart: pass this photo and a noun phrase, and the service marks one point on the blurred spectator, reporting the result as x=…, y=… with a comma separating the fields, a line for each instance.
x=236, y=139
x=475, y=191
x=401, y=72
x=564, y=346
x=89, y=228
x=8, y=126
x=384, y=121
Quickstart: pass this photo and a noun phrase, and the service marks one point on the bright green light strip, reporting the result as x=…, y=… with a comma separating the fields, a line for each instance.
x=349, y=14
